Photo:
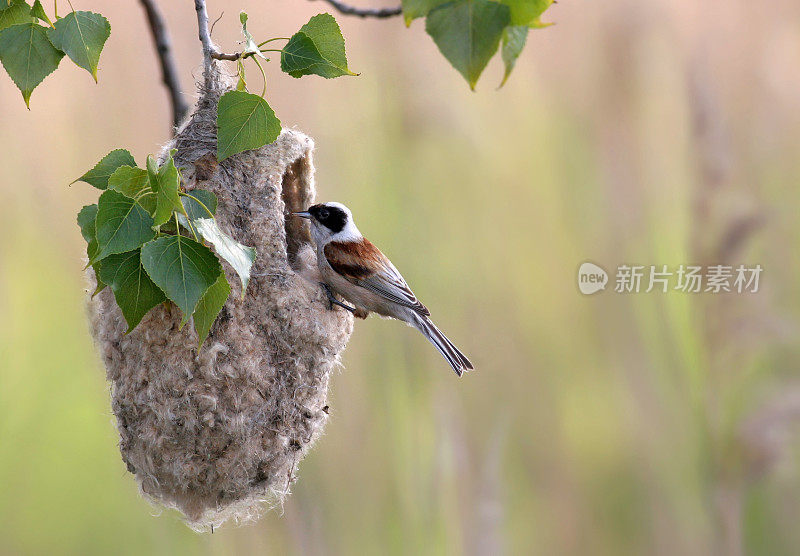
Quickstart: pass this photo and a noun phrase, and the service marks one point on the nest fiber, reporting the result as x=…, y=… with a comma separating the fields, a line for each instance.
x=217, y=432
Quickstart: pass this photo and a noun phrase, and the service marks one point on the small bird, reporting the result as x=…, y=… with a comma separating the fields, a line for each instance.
x=354, y=268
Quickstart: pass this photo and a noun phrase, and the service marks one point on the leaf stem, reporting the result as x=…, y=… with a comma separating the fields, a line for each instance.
x=270, y=40
x=263, y=75
x=178, y=225
x=191, y=229
x=242, y=77
x=270, y=50
x=199, y=202
x=55, y=8
x=143, y=194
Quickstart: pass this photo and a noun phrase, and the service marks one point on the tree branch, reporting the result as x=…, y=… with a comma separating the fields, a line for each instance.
x=217, y=55
x=169, y=73
x=210, y=51
x=379, y=13
x=205, y=37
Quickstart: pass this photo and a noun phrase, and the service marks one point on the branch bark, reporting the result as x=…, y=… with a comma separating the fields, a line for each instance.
x=169, y=73
x=380, y=13
x=205, y=37
x=210, y=51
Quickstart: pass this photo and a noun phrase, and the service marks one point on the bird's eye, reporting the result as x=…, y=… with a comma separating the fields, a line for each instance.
x=323, y=213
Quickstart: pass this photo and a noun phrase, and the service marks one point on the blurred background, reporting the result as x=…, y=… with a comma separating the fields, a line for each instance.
x=653, y=133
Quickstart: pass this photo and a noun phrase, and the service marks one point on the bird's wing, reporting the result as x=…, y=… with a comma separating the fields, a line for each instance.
x=361, y=263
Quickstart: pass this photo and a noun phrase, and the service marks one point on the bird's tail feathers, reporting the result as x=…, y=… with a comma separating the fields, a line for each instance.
x=457, y=360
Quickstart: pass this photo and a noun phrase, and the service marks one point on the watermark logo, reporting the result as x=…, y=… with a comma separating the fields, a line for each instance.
x=591, y=278
x=664, y=279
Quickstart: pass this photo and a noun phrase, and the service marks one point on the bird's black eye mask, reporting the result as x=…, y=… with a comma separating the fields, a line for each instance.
x=332, y=218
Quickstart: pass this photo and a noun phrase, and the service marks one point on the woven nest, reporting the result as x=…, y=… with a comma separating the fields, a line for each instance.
x=217, y=432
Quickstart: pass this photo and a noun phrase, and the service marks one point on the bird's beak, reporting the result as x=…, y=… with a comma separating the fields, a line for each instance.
x=304, y=214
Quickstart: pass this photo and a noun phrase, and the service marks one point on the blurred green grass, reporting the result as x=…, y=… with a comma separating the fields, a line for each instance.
x=601, y=425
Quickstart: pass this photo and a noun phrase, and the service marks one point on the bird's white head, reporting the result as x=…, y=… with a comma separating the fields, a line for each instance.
x=331, y=222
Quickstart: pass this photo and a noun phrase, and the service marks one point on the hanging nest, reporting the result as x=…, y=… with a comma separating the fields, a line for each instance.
x=218, y=431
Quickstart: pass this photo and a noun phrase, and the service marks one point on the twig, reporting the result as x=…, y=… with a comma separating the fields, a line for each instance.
x=169, y=73
x=205, y=38
x=379, y=13
x=210, y=51
x=217, y=55
x=211, y=32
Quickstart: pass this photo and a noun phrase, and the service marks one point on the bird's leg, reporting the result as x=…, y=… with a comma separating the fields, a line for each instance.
x=333, y=301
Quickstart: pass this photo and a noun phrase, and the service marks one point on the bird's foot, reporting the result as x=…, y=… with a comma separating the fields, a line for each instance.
x=332, y=299
x=361, y=313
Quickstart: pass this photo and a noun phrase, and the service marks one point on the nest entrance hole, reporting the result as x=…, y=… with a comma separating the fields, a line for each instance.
x=296, y=195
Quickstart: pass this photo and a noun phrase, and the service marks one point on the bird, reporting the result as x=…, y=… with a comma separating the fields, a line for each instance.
x=352, y=267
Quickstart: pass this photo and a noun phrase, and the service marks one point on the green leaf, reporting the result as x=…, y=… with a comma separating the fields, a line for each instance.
x=81, y=35
x=134, y=183
x=152, y=168
x=241, y=85
x=194, y=209
x=183, y=268
x=166, y=189
x=195, y=203
x=468, y=33
x=18, y=12
x=412, y=9
x=86, y=220
x=527, y=12
x=38, y=12
x=244, y=122
x=100, y=285
x=28, y=56
x=250, y=45
x=209, y=307
x=317, y=48
x=130, y=181
x=123, y=224
x=98, y=176
x=133, y=289
x=513, y=42
x=239, y=256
